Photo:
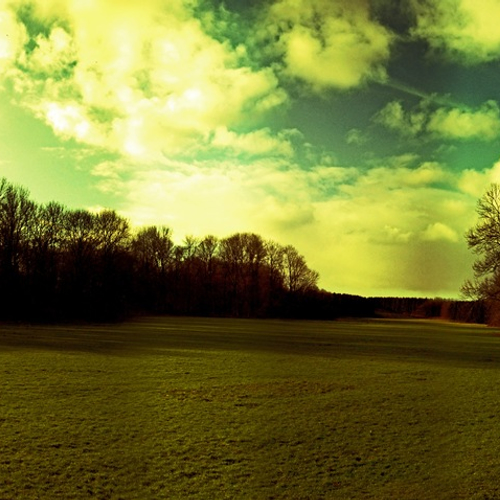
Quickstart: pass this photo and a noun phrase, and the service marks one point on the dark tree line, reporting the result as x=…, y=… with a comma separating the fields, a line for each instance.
x=58, y=264
x=62, y=264
x=464, y=311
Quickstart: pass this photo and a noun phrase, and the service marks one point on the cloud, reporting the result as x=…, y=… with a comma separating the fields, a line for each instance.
x=329, y=44
x=256, y=143
x=395, y=117
x=387, y=223
x=180, y=113
x=482, y=123
x=12, y=39
x=476, y=182
x=359, y=228
x=135, y=77
x=439, y=231
x=466, y=30
x=356, y=136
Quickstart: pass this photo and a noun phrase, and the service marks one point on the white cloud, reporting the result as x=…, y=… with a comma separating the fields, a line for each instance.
x=136, y=77
x=396, y=234
x=12, y=38
x=257, y=143
x=395, y=117
x=396, y=177
x=476, y=182
x=329, y=44
x=52, y=54
x=427, y=173
x=466, y=30
x=439, y=231
x=482, y=123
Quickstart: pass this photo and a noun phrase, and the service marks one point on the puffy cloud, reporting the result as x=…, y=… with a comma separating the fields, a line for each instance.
x=138, y=77
x=396, y=175
x=52, y=55
x=356, y=136
x=12, y=38
x=483, y=123
x=444, y=122
x=395, y=117
x=439, y=231
x=428, y=173
x=464, y=29
x=257, y=143
x=476, y=182
x=396, y=234
x=329, y=44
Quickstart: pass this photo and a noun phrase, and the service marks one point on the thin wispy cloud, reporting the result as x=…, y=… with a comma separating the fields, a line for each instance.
x=442, y=100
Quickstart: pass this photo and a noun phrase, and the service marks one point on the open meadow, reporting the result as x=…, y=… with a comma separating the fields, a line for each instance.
x=195, y=408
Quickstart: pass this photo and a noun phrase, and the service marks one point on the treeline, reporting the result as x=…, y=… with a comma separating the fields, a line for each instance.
x=58, y=264
x=62, y=264
x=452, y=310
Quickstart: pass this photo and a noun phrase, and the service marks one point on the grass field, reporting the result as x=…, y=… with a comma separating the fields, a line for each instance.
x=166, y=408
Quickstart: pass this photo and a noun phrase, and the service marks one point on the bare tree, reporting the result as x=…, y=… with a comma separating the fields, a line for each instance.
x=45, y=232
x=187, y=278
x=206, y=251
x=232, y=257
x=274, y=261
x=43, y=258
x=16, y=217
x=153, y=248
x=207, y=254
x=112, y=231
x=298, y=277
x=254, y=253
x=152, y=252
x=484, y=240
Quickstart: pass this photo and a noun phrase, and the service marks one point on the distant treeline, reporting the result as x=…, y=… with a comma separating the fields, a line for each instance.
x=326, y=305
x=452, y=310
x=58, y=264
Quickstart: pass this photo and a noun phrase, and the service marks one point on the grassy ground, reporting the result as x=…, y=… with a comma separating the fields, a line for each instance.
x=166, y=408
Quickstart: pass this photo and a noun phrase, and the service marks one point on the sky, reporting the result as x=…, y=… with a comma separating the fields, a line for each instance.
x=361, y=132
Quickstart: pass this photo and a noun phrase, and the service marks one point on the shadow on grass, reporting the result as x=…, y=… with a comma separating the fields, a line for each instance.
x=393, y=339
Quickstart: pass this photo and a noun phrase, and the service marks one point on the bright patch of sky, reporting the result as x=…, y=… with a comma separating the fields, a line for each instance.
x=362, y=132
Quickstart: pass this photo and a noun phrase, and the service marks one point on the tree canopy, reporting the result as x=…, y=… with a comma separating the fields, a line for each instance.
x=57, y=263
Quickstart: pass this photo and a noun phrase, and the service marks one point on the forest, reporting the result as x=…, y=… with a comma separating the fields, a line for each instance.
x=60, y=264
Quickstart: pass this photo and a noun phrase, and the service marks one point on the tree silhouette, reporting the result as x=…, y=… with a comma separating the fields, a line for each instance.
x=152, y=251
x=298, y=277
x=208, y=275
x=57, y=263
x=484, y=240
x=16, y=214
x=43, y=259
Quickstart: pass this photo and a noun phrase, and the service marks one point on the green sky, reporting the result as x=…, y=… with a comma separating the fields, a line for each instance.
x=361, y=132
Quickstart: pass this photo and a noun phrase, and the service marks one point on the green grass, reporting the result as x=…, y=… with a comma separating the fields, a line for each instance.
x=248, y=409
